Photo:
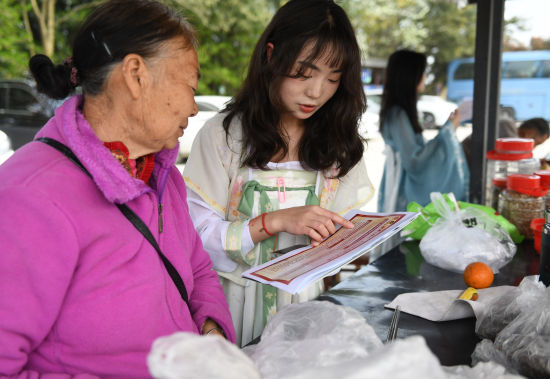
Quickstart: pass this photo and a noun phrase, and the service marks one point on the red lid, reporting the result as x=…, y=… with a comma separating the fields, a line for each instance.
x=514, y=145
x=501, y=182
x=526, y=184
x=496, y=156
x=544, y=177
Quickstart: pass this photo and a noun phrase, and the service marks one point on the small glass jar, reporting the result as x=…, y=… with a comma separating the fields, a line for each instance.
x=522, y=201
x=499, y=184
x=545, y=182
x=510, y=156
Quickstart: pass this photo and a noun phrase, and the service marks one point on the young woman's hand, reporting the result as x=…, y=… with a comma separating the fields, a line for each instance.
x=310, y=220
x=455, y=118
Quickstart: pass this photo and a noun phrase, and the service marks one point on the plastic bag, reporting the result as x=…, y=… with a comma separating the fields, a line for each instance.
x=429, y=215
x=190, y=356
x=502, y=310
x=315, y=333
x=523, y=344
x=462, y=236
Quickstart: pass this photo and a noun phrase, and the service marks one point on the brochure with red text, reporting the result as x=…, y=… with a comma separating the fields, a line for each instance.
x=296, y=269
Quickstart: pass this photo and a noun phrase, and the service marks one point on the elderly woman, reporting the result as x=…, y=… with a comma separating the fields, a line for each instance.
x=84, y=288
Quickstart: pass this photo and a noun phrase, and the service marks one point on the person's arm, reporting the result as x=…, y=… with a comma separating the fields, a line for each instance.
x=39, y=256
x=414, y=155
x=207, y=301
x=213, y=228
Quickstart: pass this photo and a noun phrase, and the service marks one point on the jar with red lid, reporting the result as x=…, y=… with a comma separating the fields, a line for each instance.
x=545, y=182
x=510, y=156
x=522, y=201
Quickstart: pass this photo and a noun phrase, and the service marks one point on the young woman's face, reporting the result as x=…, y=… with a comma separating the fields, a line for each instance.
x=304, y=94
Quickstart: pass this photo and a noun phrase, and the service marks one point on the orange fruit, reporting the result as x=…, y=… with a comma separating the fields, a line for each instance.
x=478, y=275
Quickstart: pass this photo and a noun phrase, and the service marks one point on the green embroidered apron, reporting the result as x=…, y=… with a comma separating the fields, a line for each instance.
x=268, y=191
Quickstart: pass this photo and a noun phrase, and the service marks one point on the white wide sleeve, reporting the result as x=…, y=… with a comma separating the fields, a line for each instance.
x=212, y=228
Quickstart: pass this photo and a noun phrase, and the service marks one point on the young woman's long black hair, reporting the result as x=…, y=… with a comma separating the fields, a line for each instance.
x=330, y=135
x=403, y=74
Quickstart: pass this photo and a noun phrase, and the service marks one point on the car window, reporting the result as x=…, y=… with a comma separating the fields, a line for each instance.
x=520, y=69
x=206, y=107
x=545, y=69
x=20, y=99
x=464, y=71
x=3, y=97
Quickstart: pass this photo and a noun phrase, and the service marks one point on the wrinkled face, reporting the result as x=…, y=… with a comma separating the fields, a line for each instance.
x=169, y=101
x=308, y=86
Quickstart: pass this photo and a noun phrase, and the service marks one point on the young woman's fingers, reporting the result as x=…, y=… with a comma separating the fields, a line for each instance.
x=342, y=221
x=322, y=230
x=315, y=236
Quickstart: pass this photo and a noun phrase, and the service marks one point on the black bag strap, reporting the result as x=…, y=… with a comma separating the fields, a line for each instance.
x=131, y=216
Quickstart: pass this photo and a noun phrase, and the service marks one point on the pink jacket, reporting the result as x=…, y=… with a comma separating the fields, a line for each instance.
x=81, y=290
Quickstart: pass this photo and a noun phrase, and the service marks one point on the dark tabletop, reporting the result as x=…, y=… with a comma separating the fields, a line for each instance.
x=402, y=269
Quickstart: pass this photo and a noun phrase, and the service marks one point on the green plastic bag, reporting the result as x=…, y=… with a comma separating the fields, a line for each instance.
x=428, y=215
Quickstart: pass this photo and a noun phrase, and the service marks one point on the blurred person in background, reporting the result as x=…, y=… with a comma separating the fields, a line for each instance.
x=85, y=292
x=414, y=168
x=534, y=128
x=284, y=162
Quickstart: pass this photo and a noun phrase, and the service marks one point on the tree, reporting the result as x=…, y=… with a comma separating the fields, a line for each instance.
x=15, y=44
x=227, y=32
x=37, y=26
x=451, y=35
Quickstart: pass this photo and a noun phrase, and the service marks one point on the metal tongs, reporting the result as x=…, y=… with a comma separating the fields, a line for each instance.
x=392, y=333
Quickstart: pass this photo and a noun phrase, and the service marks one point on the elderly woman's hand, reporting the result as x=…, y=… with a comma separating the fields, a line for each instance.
x=211, y=328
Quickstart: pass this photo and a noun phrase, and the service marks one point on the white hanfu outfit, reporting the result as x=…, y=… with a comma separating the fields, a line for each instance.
x=224, y=196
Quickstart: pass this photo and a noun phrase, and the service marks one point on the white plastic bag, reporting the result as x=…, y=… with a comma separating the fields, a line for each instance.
x=189, y=356
x=463, y=236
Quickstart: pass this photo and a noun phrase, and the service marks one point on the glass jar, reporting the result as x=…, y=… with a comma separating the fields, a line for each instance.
x=545, y=182
x=522, y=201
x=544, y=263
x=510, y=156
x=499, y=184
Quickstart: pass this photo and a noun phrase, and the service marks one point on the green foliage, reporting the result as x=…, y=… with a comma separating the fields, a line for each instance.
x=229, y=29
x=227, y=32
x=15, y=47
x=18, y=43
x=437, y=28
x=451, y=35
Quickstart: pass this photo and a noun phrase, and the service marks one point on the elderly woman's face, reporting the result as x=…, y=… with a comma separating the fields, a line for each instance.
x=169, y=102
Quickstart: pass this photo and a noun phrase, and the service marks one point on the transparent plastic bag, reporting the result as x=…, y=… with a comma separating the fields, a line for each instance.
x=321, y=340
x=315, y=333
x=463, y=236
x=502, y=310
x=523, y=343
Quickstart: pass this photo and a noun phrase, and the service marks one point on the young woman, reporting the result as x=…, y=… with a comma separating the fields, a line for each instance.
x=284, y=161
x=415, y=168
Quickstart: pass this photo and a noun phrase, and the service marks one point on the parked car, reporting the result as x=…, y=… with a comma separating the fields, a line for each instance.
x=433, y=110
x=369, y=126
x=5, y=147
x=208, y=107
x=23, y=110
